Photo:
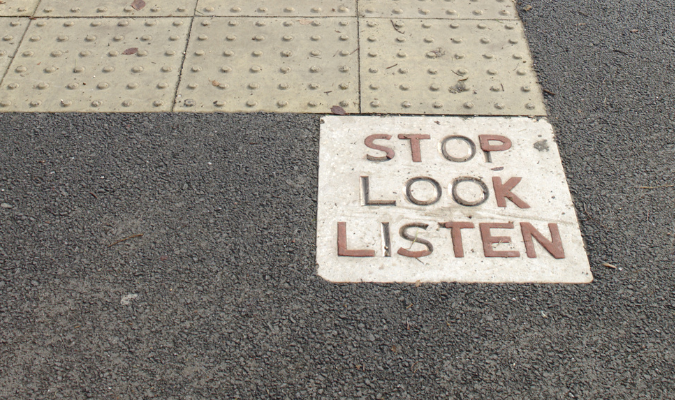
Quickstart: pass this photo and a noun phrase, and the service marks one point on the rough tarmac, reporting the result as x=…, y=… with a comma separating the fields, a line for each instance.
x=228, y=301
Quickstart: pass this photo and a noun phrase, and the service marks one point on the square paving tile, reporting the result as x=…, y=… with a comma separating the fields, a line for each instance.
x=461, y=67
x=455, y=9
x=12, y=31
x=96, y=65
x=445, y=199
x=276, y=8
x=116, y=8
x=17, y=8
x=270, y=64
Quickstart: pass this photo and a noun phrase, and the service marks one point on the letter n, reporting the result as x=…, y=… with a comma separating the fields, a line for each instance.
x=553, y=246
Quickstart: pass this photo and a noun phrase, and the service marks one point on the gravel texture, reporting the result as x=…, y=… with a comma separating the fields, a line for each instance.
x=219, y=298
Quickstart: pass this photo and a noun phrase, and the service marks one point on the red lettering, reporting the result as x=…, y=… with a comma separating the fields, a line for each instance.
x=503, y=191
x=414, y=239
x=456, y=234
x=415, y=145
x=343, y=251
x=389, y=153
x=553, y=246
x=504, y=142
x=489, y=240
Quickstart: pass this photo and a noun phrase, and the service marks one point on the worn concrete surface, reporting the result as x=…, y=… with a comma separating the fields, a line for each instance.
x=447, y=179
x=229, y=305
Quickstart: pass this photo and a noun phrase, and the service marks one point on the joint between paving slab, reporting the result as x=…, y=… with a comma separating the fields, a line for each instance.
x=277, y=16
x=180, y=73
x=16, y=51
x=358, y=54
x=181, y=16
x=33, y=17
x=536, y=117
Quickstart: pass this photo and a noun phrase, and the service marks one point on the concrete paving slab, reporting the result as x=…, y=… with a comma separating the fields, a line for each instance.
x=270, y=64
x=94, y=65
x=455, y=9
x=13, y=30
x=447, y=67
x=18, y=8
x=116, y=8
x=276, y=8
x=302, y=57
x=442, y=199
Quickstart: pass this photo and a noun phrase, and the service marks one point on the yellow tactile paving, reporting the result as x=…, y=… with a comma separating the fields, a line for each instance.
x=276, y=8
x=453, y=57
x=12, y=31
x=116, y=8
x=270, y=64
x=459, y=67
x=96, y=65
x=17, y=8
x=455, y=9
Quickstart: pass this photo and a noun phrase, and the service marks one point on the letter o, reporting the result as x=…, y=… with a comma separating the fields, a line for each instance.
x=465, y=139
x=408, y=191
x=459, y=200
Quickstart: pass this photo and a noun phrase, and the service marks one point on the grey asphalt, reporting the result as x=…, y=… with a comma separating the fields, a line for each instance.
x=228, y=301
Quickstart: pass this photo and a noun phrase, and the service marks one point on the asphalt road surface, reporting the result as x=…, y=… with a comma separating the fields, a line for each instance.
x=219, y=297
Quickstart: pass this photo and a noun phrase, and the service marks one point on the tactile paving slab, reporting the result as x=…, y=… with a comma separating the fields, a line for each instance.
x=456, y=9
x=276, y=8
x=17, y=8
x=12, y=31
x=460, y=67
x=96, y=65
x=270, y=64
x=116, y=8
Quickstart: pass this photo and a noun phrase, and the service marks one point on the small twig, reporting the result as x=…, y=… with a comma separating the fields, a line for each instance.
x=412, y=367
x=414, y=241
x=590, y=217
x=655, y=187
x=126, y=238
x=548, y=92
x=391, y=66
x=95, y=196
x=608, y=265
x=395, y=28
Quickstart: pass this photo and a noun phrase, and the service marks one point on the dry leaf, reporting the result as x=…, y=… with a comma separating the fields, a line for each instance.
x=337, y=110
x=138, y=5
x=608, y=265
x=130, y=51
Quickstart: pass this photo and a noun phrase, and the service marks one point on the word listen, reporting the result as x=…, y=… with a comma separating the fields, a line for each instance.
x=502, y=191
x=529, y=233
